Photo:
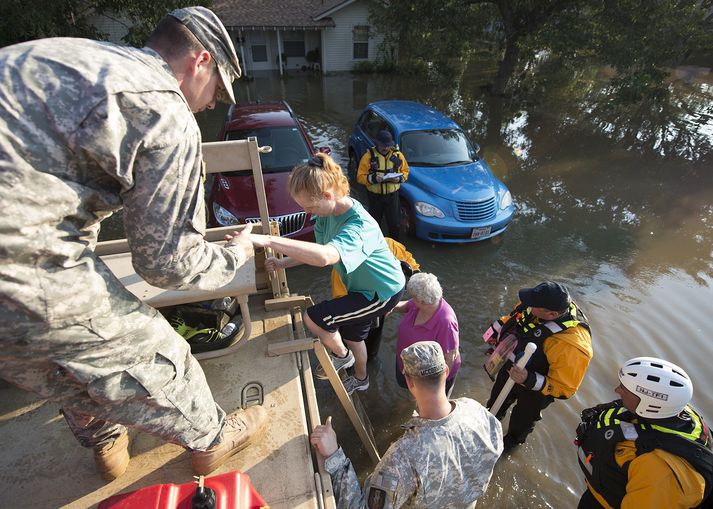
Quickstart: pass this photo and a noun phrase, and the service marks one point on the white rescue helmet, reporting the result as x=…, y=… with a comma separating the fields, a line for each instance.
x=663, y=388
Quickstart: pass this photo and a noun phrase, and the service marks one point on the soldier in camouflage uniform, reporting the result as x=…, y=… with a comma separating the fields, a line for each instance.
x=444, y=459
x=88, y=128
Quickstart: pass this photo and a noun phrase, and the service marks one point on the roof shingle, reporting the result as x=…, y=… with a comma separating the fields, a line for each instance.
x=274, y=13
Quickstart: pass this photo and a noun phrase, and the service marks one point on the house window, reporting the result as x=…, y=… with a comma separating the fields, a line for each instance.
x=294, y=44
x=361, y=42
x=258, y=47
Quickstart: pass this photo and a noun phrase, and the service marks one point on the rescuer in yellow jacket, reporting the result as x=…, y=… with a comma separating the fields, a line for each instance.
x=650, y=448
x=383, y=193
x=548, y=317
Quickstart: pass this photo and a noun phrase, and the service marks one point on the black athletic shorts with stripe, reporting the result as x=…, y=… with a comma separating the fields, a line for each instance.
x=353, y=315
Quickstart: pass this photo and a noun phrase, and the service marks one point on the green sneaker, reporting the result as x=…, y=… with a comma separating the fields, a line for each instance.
x=193, y=335
x=200, y=340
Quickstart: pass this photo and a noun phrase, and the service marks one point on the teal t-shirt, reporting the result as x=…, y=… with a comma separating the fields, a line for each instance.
x=366, y=264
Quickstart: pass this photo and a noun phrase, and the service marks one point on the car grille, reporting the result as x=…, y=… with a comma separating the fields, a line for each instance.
x=476, y=211
x=289, y=223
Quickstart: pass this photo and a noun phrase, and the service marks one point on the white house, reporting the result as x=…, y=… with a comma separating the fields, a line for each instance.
x=329, y=35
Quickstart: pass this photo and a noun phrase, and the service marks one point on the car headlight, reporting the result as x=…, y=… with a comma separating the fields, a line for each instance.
x=224, y=217
x=428, y=210
x=506, y=200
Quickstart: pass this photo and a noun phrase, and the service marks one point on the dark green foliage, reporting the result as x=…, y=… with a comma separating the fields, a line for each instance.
x=24, y=20
x=313, y=56
x=637, y=38
x=439, y=32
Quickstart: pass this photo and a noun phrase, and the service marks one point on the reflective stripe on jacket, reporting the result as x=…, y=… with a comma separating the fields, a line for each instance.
x=564, y=347
x=384, y=165
x=630, y=462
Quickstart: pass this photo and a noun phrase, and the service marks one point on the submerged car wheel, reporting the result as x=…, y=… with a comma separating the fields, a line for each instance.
x=406, y=218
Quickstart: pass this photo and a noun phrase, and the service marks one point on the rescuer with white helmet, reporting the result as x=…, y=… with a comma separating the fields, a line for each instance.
x=663, y=388
x=649, y=448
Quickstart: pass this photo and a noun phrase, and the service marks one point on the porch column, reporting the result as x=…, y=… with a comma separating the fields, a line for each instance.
x=322, y=50
x=242, y=51
x=279, y=51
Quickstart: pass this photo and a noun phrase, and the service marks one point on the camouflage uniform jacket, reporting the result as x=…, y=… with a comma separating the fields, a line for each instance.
x=87, y=128
x=436, y=463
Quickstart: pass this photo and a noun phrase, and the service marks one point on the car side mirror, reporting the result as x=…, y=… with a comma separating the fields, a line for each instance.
x=325, y=150
x=476, y=147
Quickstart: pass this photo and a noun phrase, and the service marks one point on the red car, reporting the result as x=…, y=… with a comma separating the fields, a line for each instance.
x=232, y=198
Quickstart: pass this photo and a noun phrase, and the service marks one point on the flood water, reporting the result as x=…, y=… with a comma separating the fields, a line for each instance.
x=615, y=203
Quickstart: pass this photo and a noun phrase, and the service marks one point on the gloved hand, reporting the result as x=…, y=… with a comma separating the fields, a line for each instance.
x=589, y=418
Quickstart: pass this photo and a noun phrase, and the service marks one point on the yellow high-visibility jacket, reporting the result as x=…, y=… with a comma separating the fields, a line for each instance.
x=657, y=480
x=568, y=353
x=384, y=165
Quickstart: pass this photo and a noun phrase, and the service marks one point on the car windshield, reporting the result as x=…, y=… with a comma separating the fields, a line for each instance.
x=289, y=147
x=437, y=147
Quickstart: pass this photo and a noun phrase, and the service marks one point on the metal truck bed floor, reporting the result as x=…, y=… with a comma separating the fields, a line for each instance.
x=43, y=466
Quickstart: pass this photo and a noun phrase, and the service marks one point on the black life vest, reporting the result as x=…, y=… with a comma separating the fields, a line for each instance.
x=528, y=329
x=686, y=436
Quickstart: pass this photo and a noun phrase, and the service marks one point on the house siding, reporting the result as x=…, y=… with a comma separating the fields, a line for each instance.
x=338, y=48
x=311, y=38
x=251, y=37
x=336, y=43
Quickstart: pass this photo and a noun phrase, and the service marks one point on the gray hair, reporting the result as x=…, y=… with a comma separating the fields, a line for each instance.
x=425, y=288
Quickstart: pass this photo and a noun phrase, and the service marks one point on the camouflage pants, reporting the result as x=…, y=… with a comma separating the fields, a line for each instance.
x=115, y=370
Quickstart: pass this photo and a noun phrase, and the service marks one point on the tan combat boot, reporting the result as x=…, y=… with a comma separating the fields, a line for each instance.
x=113, y=458
x=240, y=428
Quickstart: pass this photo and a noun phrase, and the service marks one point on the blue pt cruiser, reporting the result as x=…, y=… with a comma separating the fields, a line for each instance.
x=451, y=194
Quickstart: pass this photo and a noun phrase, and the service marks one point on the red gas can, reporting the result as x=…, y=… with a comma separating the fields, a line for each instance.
x=232, y=491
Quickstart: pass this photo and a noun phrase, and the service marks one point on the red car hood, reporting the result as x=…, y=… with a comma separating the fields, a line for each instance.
x=237, y=194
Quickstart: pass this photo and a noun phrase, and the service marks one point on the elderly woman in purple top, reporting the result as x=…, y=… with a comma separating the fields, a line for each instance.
x=427, y=317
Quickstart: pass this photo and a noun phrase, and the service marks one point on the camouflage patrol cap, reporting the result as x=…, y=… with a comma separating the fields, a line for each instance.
x=423, y=359
x=210, y=32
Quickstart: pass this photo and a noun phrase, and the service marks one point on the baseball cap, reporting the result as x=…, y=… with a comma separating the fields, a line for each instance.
x=384, y=139
x=423, y=359
x=210, y=32
x=548, y=295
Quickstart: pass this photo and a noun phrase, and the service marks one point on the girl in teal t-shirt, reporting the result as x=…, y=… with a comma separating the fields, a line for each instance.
x=348, y=238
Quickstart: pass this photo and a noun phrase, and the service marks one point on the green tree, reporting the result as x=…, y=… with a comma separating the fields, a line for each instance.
x=427, y=32
x=24, y=20
x=639, y=39
x=636, y=37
